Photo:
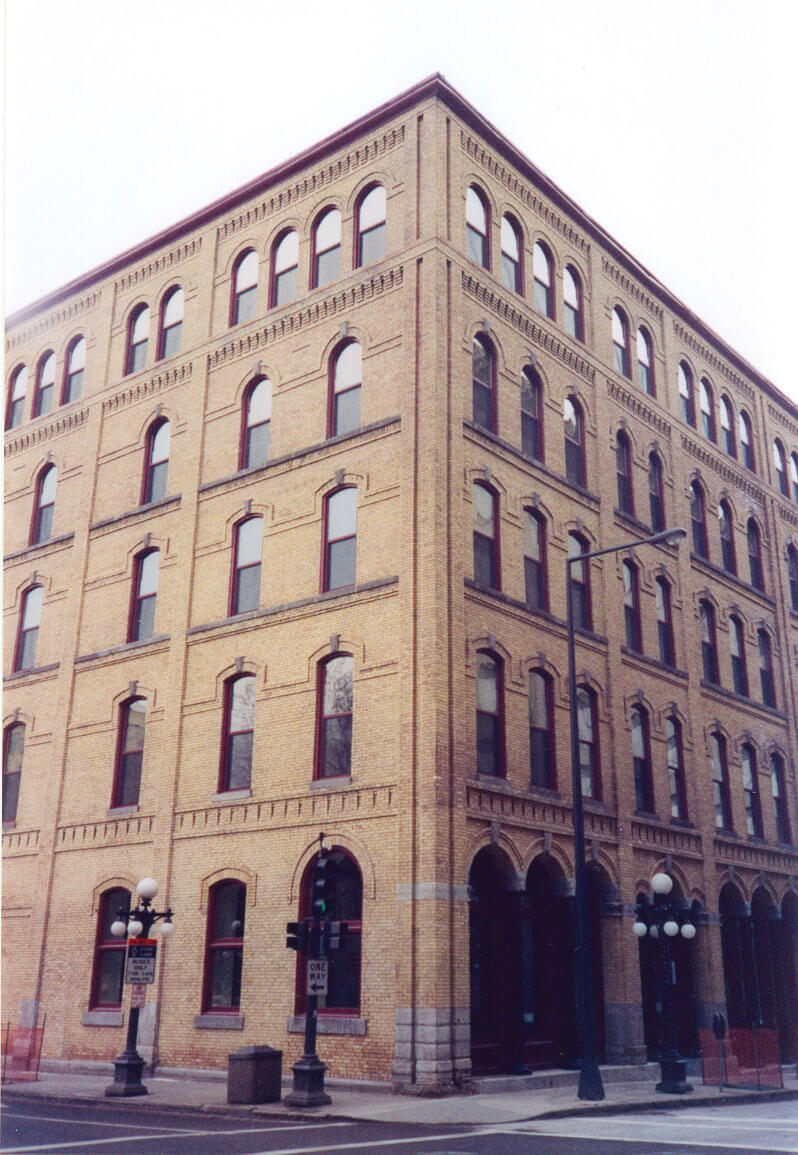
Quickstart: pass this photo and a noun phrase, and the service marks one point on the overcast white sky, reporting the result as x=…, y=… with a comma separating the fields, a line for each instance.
x=672, y=122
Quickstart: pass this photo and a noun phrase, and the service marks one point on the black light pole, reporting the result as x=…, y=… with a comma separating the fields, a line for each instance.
x=590, y=1084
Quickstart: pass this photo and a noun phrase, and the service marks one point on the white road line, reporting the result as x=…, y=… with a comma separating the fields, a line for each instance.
x=650, y=1140
x=171, y=1135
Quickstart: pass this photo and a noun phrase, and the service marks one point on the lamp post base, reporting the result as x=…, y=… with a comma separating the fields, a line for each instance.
x=673, y=1077
x=127, y=1076
x=308, y=1088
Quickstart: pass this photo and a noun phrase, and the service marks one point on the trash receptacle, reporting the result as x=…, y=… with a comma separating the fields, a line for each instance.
x=254, y=1075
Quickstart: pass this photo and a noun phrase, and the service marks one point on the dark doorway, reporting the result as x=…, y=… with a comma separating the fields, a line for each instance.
x=547, y=965
x=787, y=977
x=738, y=962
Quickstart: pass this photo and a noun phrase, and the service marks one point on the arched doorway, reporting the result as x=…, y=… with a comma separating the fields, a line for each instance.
x=652, y=963
x=547, y=965
x=738, y=968
x=787, y=984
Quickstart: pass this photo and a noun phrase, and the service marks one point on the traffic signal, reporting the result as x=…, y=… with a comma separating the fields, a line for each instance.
x=323, y=888
x=297, y=936
x=336, y=935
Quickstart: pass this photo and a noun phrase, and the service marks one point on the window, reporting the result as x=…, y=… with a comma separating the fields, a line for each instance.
x=73, y=376
x=340, y=536
x=720, y=782
x=542, y=270
x=572, y=303
x=753, y=809
x=138, y=334
x=257, y=424
x=620, y=342
x=41, y=529
x=511, y=255
x=109, y=953
x=156, y=467
x=477, y=218
x=145, y=591
x=370, y=226
x=709, y=651
x=587, y=732
x=645, y=363
x=698, y=520
x=792, y=575
x=746, y=441
x=531, y=414
x=641, y=756
x=766, y=668
x=16, y=398
x=45, y=386
x=754, y=546
x=483, y=380
x=29, y=619
x=334, y=722
x=656, y=494
x=574, y=429
x=224, y=952
x=130, y=753
x=707, y=409
x=346, y=383
x=486, y=545
x=343, y=976
x=727, y=426
x=13, y=751
x=535, y=577
x=631, y=607
x=737, y=647
x=676, y=786
x=235, y=770
x=285, y=269
x=244, y=300
x=541, y=731
x=726, y=528
x=247, y=550
x=171, y=324
x=623, y=473
x=779, y=798
x=580, y=583
x=326, y=257
x=664, y=622
x=780, y=465
x=686, y=393
x=490, y=711
x=794, y=476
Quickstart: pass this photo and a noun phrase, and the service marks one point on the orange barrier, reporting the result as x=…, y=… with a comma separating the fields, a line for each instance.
x=744, y=1058
x=21, y=1051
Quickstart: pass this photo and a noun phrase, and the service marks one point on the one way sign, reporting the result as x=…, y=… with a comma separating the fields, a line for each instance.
x=317, y=976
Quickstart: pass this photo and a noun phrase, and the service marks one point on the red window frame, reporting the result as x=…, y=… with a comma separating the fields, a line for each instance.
x=540, y=562
x=752, y=803
x=623, y=473
x=497, y=721
x=620, y=348
x=125, y=756
x=478, y=241
x=336, y=425
x=686, y=393
x=316, y=253
x=12, y=772
x=24, y=631
x=675, y=768
x=532, y=441
x=215, y=943
x=487, y=546
x=330, y=542
x=106, y=944
x=151, y=476
x=656, y=492
x=360, y=259
x=707, y=406
x=698, y=520
x=15, y=406
x=645, y=365
x=72, y=386
x=667, y=654
x=225, y=784
x=643, y=772
x=353, y=938
x=136, y=632
x=46, y=363
x=514, y=282
x=575, y=457
x=132, y=347
x=573, y=314
x=171, y=333
x=631, y=606
x=323, y=718
x=726, y=530
x=238, y=293
x=41, y=528
x=247, y=425
x=238, y=567
x=592, y=746
x=709, y=643
x=753, y=542
x=276, y=273
x=720, y=780
x=584, y=619
x=547, y=731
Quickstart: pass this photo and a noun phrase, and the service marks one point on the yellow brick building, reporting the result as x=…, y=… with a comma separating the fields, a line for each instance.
x=290, y=489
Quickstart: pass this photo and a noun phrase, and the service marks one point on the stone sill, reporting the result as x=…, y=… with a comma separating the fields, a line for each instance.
x=102, y=1019
x=212, y=1022
x=328, y=1025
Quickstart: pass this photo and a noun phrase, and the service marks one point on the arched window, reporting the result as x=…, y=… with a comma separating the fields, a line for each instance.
x=45, y=385
x=145, y=591
x=486, y=536
x=587, y=733
x=754, y=545
x=620, y=342
x=41, y=529
x=753, y=808
x=156, y=462
x=224, y=947
x=171, y=324
x=531, y=414
x=13, y=752
x=73, y=374
x=109, y=953
x=235, y=764
x=698, y=520
x=709, y=647
x=477, y=218
x=746, y=441
x=766, y=678
x=656, y=493
x=16, y=398
x=686, y=393
x=285, y=269
x=244, y=298
x=727, y=426
x=326, y=252
x=707, y=409
x=631, y=607
x=574, y=430
x=623, y=473
x=511, y=254
x=580, y=583
x=256, y=424
x=28, y=635
x=130, y=753
x=737, y=647
x=664, y=622
x=780, y=465
x=340, y=539
x=247, y=553
x=490, y=715
x=541, y=731
x=483, y=382
x=138, y=335
x=794, y=476
x=346, y=384
x=675, y=756
x=645, y=362
x=641, y=757
x=573, y=315
x=370, y=226
x=344, y=966
x=535, y=575
x=543, y=272
x=726, y=528
x=792, y=575
x=335, y=710
x=720, y=782
x=777, y=783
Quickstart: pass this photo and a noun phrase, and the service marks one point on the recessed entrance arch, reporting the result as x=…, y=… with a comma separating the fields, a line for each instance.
x=547, y=967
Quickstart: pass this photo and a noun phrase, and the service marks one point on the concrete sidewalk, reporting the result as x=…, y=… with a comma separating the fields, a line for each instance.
x=549, y=1094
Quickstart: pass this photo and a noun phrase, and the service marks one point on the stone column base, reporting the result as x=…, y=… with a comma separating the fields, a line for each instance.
x=432, y=1049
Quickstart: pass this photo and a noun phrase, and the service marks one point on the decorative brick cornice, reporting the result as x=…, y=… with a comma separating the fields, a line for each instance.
x=729, y=475
x=498, y=801
x=17, y=843
x=781, y=419
x=711, y=358
x=62, y=423
x=755, y=855
x=159, y=264
x=108, y=832
x=787, y=514
x=48, y=321
x=630, y=287
x=663, y=838
x=635, y=402
x=143, y=389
